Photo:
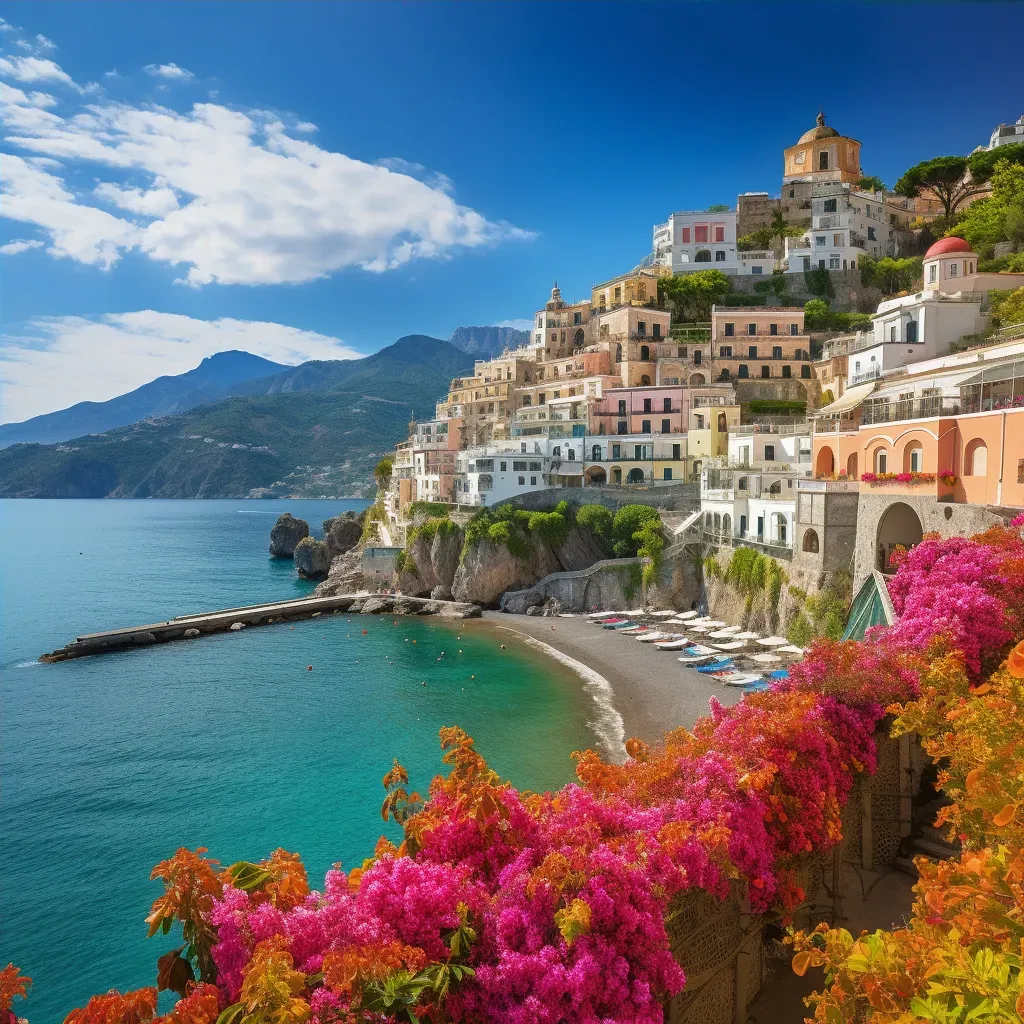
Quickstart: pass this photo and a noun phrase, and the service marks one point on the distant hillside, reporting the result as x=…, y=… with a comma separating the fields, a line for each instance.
x=486, y=342
x=210, y=381
x=308, y=430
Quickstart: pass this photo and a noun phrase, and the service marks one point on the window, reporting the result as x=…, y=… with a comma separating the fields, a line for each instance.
x=829, y=206
x=725, y=351
x=744, y=371
x=666, y=473
x=622, y=429
x=952, y=269
x=757, y=269
x=618, y=294
x=572, y=456
x=911, y=332
x=703, y=256
x=811, y=541
x=700, y=233
x=522, y=481
x=892, y=332
x=752, y=352
x=676, y=449
x=533, y=481
x=769, y=453
x=616, y=451
x=751, y=328
x=666, y=405
x=805, y=372
x=719, y=255
x=787, y=371
x=577, y=318
x=666, y=426
x=641, y=328
x=773, y=329
x=535, y=467
x=647, y=405
x=556, y=453
x=776, y=351
x=837, y=238
x=881, y=460
x=622, y=407
x=820, y=240
x=684, y=235
x=730, y=330
x=794, y=329
x=657, y=330
x=645, y=426
x=719, y=232
x=542, y=398
x=645, y=354
x=503, y=466
x=833, y=261
x=766, y=371
x=743, y=526
x=871, y=235
x=518, y=467
x=976, y=458
x=792, y=193
x=697, y=357
x=823, y=160
x=916, y=459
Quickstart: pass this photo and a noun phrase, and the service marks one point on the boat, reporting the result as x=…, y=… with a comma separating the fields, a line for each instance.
x=636, y=629
x=759, y=687
x=597, y=616
x=739, y=678
x=619, y=624
x=696, y=659
x=720, y=665
x=653, y=634
x=733, y=645
x=673, y=645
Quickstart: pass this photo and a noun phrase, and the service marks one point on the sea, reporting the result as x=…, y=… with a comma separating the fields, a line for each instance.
x=108, y=764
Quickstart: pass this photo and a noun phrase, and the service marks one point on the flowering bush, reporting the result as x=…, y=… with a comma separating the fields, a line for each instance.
x=900, y=478
x=506, y=905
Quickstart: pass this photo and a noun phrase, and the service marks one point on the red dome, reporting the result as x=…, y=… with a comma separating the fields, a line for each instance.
x=944, y=246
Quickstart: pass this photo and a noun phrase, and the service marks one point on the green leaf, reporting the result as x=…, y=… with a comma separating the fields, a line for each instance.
x=918, y=1006
x=231, y=1014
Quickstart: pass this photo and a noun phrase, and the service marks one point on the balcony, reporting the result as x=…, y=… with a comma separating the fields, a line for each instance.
x=829, y=486
x=862, y=378
x=756, y=254
x=910, y=409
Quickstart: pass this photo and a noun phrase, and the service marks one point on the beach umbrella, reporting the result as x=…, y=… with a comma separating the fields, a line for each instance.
x=724, y=634
x=747, y=636
x=734, y=645
x=766, y=659
x=699, y=629
x=773, y=641
x=715, y=623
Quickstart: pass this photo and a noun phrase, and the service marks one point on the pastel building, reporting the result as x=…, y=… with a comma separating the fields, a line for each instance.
x=637, y=288
x=494, y=472
x=759, y=343
x=560, y=327
x=703, y=240
x=632, y=459
x=822, y=154
x=434, y=444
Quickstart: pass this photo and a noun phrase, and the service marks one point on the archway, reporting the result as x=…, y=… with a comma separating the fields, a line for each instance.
x=913, y=457
x=703, y=256
x=899, y=526
x=636, y=476
x=579, y=338
x=616, y=475
x=596, y=475
x=696, y=380
x=976, y=458
x=826, y=464
x=811, y=541
x=851, y=466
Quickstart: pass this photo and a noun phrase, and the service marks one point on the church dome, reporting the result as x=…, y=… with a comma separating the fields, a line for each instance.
x=945, y=246
x=819, y=131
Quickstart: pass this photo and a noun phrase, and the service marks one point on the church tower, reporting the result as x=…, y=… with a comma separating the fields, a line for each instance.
x=822, y=154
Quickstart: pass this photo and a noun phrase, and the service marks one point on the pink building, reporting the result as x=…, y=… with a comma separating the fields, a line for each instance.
x=651, y=410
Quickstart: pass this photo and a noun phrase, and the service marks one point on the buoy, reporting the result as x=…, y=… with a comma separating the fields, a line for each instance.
x=471, y=677
x=291, y=627
x=365, y=631
x=423, y=683
x=503, y=647
x=309, y=668
x=460, y=650
x=414, y=641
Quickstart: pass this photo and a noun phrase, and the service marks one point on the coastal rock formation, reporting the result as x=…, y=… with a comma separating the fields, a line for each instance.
x=345, y=576
x=312, y=558
x=343, y=533
x=286, y=534
x=431, y=561
x=580, y=549
x=489, y=569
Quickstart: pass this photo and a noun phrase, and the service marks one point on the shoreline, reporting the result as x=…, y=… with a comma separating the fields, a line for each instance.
x=646, y=688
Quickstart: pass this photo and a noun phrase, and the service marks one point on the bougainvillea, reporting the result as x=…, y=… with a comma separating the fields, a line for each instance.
x=500, y=904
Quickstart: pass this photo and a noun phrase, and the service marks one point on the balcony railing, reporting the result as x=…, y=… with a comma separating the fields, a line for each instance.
x=873, y=374
x=829, y=486
x=756, y=254
x=911, y=409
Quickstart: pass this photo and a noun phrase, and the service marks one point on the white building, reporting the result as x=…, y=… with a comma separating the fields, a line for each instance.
x=750, y=507
x=705, y=240
x=1007, y=134
x=771, y=444
x=490, y=473
x=845, y=225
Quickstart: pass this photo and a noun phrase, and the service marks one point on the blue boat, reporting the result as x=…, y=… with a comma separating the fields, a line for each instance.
x=717, y=666
x=756, y=687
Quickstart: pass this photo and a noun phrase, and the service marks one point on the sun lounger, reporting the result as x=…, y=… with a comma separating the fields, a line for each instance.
x=721, y=665
x=725, y=634
x=747, y=636
x=773, y=641
x=652, y=634
x=790, y=649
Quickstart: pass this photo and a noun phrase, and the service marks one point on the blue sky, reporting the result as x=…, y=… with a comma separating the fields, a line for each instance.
x=319, y=179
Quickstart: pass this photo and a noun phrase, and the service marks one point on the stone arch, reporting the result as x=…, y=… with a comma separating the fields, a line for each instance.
x=851, y=466
x=913, y=457
x=718, y=523
x=811, y=541
x=635, y=476
x=976, y=458
x=826, y=462
x=703, y=256
x=899, y=525
x=696, y=380
x=596, y=475
x=645, y=381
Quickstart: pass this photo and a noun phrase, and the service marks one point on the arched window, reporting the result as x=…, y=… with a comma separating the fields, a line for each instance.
x=645, y=354
x=811, y=541
x=787, y=371
x=718, y=523
x=880, y=460
x=696, y=380
x=775, y=488
x=636, y=476
x=913, y=458
x=727, y=525
x=707, y=522
x=851, y=466
x=645, y=381
x=976, y=458
x=595, y=453
x=579, y=338
x=703, y=256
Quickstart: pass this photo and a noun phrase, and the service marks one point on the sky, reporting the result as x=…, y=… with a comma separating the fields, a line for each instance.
x=317, y=180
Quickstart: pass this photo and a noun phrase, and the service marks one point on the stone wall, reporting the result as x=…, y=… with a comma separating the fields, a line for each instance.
x=850, y=296
x=948, y=519
x=833, y=517
x=794, y=389
x=670, y=497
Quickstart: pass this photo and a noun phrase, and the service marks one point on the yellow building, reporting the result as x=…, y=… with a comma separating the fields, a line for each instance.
x=708, y=436
x=822, y=154
x=637, y=288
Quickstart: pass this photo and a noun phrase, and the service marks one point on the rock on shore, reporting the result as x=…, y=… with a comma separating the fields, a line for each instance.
x=343, y=533
x=286, y=534
x=312, y=558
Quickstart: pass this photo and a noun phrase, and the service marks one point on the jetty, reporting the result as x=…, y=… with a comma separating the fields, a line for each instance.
x=233, y=620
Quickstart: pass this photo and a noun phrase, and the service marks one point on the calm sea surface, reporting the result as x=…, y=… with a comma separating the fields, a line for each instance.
x=110, y=763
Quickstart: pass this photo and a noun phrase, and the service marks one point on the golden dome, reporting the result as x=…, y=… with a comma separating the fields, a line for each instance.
x=819, y=131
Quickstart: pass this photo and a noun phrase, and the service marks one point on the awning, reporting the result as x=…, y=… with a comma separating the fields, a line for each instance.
x=848, y=402
x=871, y=607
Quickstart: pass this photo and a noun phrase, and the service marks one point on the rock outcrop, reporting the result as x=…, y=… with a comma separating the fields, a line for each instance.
x=343, y=533
x=489, y=569
x=312, y=558
x=345, y=576
x=286, y=534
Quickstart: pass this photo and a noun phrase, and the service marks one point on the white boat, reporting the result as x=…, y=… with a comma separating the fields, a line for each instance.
x=672, y=645
x=653, y=634
x=634, y=630
x=699, y=659
x=566, y=615
x=597, y=616
x=734, y=645
x=738, y=678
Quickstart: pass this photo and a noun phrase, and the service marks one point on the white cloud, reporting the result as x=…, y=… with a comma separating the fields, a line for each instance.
x=118, y=352
x=306, y=127
x=112, y=73
x=170, y=71
x=6, y=26
x=20, y=245
x=36, y=69
x=45, y=44
x=229, y=196
x=519, y=325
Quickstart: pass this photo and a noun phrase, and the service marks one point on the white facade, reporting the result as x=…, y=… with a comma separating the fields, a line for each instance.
x=1007, y=134
x=705, y=240
x=749, y=507
x=845, y=225
x=491, y=473
x=764, y=445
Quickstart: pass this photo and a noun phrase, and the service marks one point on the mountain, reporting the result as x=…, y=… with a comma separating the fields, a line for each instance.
x=308, y=430
x=487, y=342
x=211, y=380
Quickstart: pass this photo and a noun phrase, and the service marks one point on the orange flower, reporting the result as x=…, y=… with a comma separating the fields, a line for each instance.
x=114, y=1008
x=1015, y=663
x=12, y=984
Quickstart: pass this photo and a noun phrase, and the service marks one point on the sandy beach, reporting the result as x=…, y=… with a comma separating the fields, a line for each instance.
x=650, y=689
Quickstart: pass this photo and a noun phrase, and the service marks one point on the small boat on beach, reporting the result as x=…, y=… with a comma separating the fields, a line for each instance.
x=598, y=616
x=673, y=645
x=696, y=660
x=653, y=634
x=636, y=630
x=733, y=645
x=721, y=665
x=620, y=624
x=738, y=678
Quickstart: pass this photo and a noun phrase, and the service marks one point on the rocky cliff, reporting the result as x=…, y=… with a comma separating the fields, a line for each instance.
x=286, y=534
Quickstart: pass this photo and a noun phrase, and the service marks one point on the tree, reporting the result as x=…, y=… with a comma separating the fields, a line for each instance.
x=891, y=275
x=630, y=521
x=870, y=183
x=1007, y=307
x=718, y=208
x=816, y=315
x=382, y=472
x=762, y=238
x=691, y=296
x=945, y=176
x=983, y=163
x=998, y=217
x=782, y=229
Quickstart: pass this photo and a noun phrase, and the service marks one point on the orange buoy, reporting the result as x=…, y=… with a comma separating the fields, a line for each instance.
x=309, y=668
x=365, y=631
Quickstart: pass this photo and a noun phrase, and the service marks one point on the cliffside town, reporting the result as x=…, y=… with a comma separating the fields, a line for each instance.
x=823, y=376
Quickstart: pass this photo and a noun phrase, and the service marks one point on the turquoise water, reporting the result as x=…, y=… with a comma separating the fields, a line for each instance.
x=110, y=763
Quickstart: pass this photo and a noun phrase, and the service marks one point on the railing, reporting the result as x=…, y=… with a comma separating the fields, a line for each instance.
x=757, y=254
x=774, y=548
x=783, y=427
x=828, y=221
x=828, y=486
x=638, y=412
x=873, y=374
x=911, y=409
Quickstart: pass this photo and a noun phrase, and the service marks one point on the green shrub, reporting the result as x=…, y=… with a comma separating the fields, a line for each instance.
x=712, y=568
x=628, y=521
x=650, y=543
x=549, y=526
x=597, y=519
x=800, y=631
x=431, y=509
x=778, y=407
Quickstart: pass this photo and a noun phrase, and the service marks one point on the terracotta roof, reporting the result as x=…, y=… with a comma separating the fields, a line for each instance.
x=948, y=245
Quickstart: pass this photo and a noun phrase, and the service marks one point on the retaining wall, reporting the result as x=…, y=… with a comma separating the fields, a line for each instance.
x=670, y=497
